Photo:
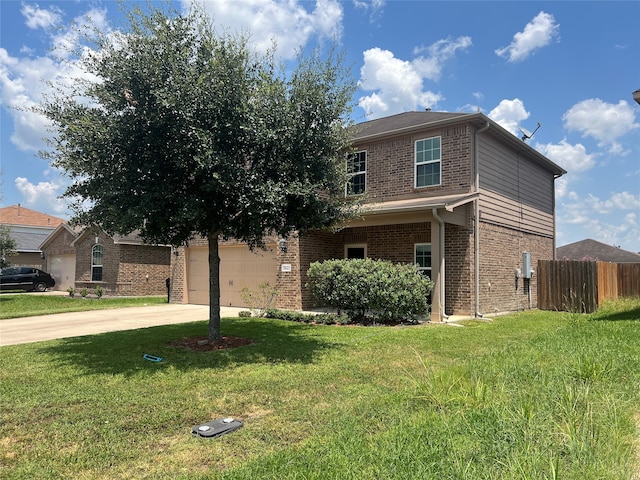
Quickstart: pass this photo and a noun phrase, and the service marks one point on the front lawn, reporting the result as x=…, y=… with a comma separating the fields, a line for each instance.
x=32, y=304
x=538, y=395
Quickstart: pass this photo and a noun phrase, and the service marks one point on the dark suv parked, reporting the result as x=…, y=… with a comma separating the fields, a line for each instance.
x=25, y=278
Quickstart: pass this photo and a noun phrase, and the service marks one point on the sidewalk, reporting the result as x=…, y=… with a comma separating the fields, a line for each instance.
x=62, y=325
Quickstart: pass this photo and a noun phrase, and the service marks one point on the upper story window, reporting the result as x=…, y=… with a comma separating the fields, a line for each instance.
x=97, y=252
x=428, y=162
x=423, y=258
x=357, y=172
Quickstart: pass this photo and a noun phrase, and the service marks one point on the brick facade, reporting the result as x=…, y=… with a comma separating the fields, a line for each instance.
x=390, y=172
x=127, y=269
x=501, y=252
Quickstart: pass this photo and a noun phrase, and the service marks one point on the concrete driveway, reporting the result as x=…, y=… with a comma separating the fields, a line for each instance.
x=62, y=325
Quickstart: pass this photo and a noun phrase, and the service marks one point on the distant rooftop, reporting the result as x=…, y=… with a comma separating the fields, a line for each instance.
x=19, y=215
x=593, y=250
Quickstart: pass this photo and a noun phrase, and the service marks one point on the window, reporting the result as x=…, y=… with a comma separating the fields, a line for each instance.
x=96, y=263
x=423, y=258
x=355, y=251
x=357, y=172
x=428, y=159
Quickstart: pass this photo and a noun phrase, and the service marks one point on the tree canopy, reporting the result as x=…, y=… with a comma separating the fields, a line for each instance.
x=183, y=131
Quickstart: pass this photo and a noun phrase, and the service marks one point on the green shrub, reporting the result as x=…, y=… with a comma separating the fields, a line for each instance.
x=244, y=314
x=84, y=292
x=72, y=292
x=379, y=288
x=99, y=291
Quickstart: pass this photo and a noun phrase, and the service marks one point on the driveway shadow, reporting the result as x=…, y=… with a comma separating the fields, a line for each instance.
x=122, y=352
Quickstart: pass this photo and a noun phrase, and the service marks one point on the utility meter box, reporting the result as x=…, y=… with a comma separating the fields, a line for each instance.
x=527, y=272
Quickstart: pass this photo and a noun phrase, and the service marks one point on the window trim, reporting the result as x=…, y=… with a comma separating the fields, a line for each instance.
x=415, y=257
x=354, y=245
x=95, y=265
x=353, y=175
x=416, y=164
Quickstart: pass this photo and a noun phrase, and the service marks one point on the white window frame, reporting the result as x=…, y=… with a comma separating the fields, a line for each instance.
x=355, y=245
x=427, y=162
x=352, y=175
x=426, y=270
x=95, y=265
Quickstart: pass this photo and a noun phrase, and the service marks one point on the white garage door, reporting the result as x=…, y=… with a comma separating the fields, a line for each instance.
x=63, y=269
x=239, y=268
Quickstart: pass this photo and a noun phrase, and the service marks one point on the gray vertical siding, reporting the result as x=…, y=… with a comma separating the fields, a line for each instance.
x=515, y=192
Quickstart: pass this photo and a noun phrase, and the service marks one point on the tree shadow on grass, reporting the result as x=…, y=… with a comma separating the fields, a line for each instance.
x=122, y=353
x=632, y=313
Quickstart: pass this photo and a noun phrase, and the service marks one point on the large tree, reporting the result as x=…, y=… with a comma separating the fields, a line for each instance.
x=183, y=131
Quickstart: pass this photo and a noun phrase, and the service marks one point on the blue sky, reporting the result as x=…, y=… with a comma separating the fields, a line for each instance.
x=572, y=66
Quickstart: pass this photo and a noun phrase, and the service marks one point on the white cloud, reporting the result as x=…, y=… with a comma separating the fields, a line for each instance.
x=438, y=53
x=396, y=83
x=35, y=17
x=573, y=158
x=508, y=114
x=617, y=201
x=603, y=121
x=288, y=23
x=602, y=220
x=43, y=196
x=24, y=81
x=372, y=4
x=538, y=33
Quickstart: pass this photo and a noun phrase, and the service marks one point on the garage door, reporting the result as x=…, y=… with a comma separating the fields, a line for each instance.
x=239, y=268
x=63, y=269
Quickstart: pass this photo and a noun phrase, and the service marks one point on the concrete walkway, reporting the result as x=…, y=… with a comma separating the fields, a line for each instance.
x=62, y=325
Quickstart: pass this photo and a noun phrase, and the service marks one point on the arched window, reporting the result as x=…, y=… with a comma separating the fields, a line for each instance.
x=96, y=263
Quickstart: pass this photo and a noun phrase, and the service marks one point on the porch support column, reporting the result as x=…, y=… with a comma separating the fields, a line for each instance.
x=437, y=270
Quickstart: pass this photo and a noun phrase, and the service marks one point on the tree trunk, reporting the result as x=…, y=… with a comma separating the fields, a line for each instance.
x=214, y=288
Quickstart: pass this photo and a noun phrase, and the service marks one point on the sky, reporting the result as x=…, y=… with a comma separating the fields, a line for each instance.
x=570, y=66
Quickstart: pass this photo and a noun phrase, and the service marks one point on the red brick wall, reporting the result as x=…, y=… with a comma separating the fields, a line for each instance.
x=126, y=270
x=459, y=258
x=390, y=164
x=500, y=255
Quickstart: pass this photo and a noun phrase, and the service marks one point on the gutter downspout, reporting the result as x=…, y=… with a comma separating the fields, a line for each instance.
x=476, y=215
x=434, y=211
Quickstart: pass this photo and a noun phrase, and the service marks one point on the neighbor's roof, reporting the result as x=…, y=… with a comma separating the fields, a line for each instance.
x=28, y=240
x=19, y=215
x=592, y=249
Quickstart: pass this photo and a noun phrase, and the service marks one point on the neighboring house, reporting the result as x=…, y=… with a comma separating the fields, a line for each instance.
x=593, y=250
x=120, y=265
x=29, y=229
x=455, y=193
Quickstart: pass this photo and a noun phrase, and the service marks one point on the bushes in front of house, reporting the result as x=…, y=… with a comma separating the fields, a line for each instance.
x=365, y=288
x=291, y=316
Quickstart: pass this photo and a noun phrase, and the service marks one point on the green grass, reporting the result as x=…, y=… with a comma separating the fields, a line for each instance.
x=31, y=304
x=538, y=395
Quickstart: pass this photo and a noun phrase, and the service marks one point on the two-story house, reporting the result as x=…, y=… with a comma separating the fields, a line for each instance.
x=471, y=204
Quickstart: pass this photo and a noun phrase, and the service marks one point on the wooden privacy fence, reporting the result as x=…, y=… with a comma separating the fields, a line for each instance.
x=577, y=286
